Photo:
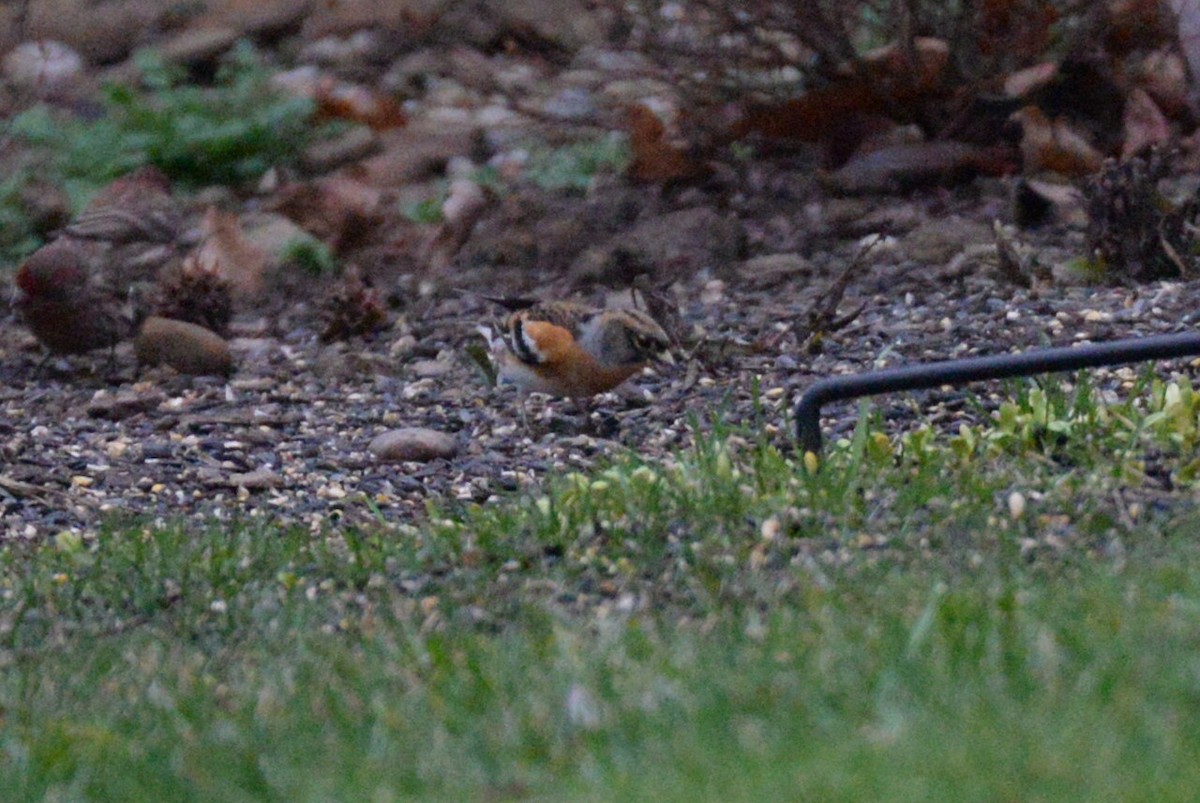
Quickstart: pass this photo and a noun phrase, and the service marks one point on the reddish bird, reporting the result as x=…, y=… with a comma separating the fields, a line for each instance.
x=64, y=305
x=74, y=292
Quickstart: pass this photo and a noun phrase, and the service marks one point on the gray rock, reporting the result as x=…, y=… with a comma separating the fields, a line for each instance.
x=430, y=368
x=357, y=143
x=200, y=45
x=413, y=444
x=119, y=406
x=257, y=480
x=937, y=241
x=46, y=69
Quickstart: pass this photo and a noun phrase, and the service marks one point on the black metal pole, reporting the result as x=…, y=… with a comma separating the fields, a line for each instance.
x=976, y=369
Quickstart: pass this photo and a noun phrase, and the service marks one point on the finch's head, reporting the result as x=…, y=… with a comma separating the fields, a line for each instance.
x=47, y=276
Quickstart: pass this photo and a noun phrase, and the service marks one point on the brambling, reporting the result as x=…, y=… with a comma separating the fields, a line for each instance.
x=573, y=350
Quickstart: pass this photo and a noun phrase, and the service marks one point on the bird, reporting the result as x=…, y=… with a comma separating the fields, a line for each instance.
x=135, y=208
x=138, y=222
x=64, y=305
x=77, y=293
x=573, y=350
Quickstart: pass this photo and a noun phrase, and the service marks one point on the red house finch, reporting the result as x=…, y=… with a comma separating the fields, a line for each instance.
x=64, y=305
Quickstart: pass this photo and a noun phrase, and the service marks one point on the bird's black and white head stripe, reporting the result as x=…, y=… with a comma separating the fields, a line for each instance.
x=522, y=345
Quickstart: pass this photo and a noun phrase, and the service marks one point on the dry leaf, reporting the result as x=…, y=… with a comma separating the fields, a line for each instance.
x=1164, y=76
x=1145, y=124
x=460, y=212
x=340, y=100
x=1132, y=25
x=903, y=166
x=340, y=209
x=1053, y=145
x=419, y=153
x=1025, y=82
x=1019, y=29
x=890, y=64
x=1037, y=202
x=655, y=157
x=226, y=251
x=817, y=116
x=1187, y=21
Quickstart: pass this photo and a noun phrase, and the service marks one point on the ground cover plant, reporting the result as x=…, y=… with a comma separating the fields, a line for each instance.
x=1009, y=610
x=229, y=132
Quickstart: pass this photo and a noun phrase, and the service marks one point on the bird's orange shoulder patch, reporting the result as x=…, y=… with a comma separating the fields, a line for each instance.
x=551, y=343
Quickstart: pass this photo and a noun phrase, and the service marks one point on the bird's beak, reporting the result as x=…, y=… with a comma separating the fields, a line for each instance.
x=666, y=356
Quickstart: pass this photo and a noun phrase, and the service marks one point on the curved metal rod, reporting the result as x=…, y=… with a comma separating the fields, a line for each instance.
x=976, y=369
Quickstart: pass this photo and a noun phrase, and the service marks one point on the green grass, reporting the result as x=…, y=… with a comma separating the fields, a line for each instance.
x=721, y=625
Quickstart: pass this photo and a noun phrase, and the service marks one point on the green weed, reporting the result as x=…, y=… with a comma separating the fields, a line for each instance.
x=228, y=133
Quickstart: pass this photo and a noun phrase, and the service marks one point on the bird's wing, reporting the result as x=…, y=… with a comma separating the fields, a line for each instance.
x=563, y=314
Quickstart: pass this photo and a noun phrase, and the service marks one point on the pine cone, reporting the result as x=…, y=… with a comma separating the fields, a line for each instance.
x=196, y=293
x=353, y=308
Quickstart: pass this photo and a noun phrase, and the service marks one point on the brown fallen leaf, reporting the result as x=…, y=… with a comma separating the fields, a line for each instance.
x=658, y=158
x=339, y=100
x=1054, y=145
x=892, y=63
x=226, y=251
x=1145, y=125
x=341, y=210
x=461, y=210
x=1020, y=29
x=1038, y=202
x=1023, y=83
x=816, y=116
x=1164, y=76
x=419, y=153
x=1132, y=25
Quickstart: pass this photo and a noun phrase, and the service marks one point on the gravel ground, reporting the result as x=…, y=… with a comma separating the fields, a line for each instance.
x=744, y=258
x=286, y=438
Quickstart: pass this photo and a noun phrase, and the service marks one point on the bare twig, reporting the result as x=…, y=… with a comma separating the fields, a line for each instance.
x=20, y=489
x=821, y=317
